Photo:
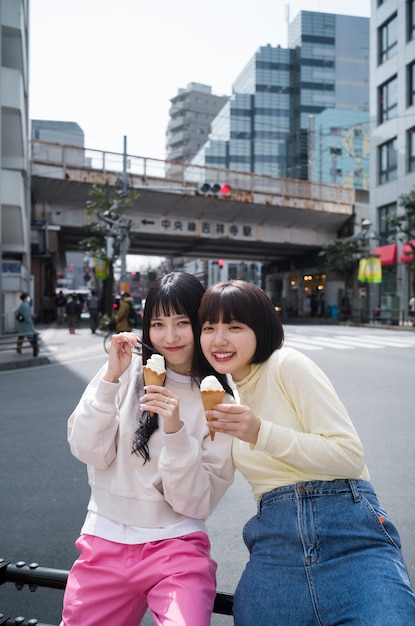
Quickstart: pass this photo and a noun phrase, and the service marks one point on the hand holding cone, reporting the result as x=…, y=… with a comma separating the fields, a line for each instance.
x=212, y=393
x=154, y=376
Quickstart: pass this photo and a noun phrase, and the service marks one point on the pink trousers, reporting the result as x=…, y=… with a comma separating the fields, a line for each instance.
x=114, y=583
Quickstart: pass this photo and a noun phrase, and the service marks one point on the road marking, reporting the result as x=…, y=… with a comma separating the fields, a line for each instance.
x=345, y=342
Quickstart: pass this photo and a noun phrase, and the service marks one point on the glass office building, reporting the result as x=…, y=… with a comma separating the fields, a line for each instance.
x=339, y=148
x=331, y=72
x=250, y=133
x=265, y=127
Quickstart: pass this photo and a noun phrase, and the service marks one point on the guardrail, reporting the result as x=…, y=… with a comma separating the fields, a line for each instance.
x=35, y=576
x=50, y=154
x=9, y=342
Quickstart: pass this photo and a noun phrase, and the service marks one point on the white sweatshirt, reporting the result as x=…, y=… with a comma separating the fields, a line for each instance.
x=187, y=474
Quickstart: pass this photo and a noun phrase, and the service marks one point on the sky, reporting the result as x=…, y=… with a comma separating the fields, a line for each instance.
x=113, y=67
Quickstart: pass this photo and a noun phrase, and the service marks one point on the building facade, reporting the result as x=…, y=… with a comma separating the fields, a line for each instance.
x=14, y=159
x=392, y=110
x=339, y=148
x=68, y=133
x=191, y=113
x=265, y=128
x=330, y=71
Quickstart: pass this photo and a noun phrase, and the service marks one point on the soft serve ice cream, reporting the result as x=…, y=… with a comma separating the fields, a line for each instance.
x=154, y=371
x=212, y=393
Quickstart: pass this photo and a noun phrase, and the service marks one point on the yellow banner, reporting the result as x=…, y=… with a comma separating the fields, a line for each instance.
x=100, y=266
x=370, y=270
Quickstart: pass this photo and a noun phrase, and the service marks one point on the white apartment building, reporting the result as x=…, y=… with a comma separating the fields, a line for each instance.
x=191, y=113
x=392, y=112
x=14, y=158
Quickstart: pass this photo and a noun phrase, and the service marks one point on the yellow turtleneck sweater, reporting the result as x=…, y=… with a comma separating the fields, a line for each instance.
x=305, y=433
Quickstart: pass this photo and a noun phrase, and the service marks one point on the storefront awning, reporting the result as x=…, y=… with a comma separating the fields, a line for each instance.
x=406, y=254
x=388, y=254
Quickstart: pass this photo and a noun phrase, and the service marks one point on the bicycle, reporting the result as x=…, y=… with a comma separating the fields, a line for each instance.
x=107, y=339
x=109, y=335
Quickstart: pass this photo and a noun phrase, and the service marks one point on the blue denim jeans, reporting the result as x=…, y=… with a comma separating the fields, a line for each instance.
x=323, y=553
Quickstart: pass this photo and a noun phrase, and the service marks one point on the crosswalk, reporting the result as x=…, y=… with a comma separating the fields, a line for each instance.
x=312, y=339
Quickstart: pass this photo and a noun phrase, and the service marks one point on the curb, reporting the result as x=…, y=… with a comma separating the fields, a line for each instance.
x=15, y=365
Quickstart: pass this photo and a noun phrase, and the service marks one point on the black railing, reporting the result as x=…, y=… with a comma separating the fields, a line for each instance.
x=10, y=342
x=35, y=576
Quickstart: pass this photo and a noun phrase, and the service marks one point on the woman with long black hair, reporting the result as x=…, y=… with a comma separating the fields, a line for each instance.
x=155, y=475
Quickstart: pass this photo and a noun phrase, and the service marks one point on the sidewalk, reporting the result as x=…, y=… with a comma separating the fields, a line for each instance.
x=55, y=346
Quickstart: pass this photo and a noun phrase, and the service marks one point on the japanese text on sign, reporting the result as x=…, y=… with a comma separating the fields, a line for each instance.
x=207, y=228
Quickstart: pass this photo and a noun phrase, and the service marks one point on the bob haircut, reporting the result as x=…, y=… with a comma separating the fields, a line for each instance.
x=240, y=301
x=178, y=293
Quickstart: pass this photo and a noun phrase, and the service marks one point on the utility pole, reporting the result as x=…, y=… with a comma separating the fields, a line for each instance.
x=123, y=223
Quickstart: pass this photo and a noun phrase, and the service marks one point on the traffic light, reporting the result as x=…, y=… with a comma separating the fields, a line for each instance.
x=221, y=263
x=116, y=303
x=214, y=189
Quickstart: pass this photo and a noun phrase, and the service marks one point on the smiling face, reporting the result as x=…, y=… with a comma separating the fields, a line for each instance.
x=172, y=336
x=229, y=348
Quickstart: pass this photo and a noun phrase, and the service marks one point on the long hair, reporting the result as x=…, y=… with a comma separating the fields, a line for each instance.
x=177, y=293
x=238, y=300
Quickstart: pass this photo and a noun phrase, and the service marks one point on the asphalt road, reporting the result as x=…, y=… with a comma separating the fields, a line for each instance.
x=44, y=491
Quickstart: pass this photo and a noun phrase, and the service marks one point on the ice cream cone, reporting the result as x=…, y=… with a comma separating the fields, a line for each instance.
x=209, y=399
x=153, y=378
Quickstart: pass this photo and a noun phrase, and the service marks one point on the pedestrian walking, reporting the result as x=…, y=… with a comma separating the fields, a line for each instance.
x=411, y=306
x=47, y=308
x=322, y=548
x=60, y=308
x=25, y=325
x=121, y=318
x=93, y=306
x=154, y=472
x=72, y=312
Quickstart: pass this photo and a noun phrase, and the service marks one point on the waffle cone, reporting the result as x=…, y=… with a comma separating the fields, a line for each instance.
x=209, y=399
x=153, y=378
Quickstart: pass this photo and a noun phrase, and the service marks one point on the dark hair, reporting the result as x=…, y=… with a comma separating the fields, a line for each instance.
x=125, y=294
x=23, y=296
x=243, y=302
x=175, y=293
x=179, y=293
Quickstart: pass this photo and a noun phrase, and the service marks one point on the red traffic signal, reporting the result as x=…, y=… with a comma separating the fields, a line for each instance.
x=221, y=262
x=213, y=189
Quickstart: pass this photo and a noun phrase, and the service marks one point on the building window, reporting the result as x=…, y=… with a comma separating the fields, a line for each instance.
x=410, y=143
x=388, y=40
x=388, y=100
x=388, y=161
x=410, y=17
x=410, y=73
x=385, y=227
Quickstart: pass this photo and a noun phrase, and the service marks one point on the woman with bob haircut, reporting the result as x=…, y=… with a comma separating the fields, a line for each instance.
x=322, y=549
x=154, y=472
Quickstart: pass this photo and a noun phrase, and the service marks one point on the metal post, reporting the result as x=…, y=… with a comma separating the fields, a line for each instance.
x=124, y=168
x=125, y=240
x=125, y=243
